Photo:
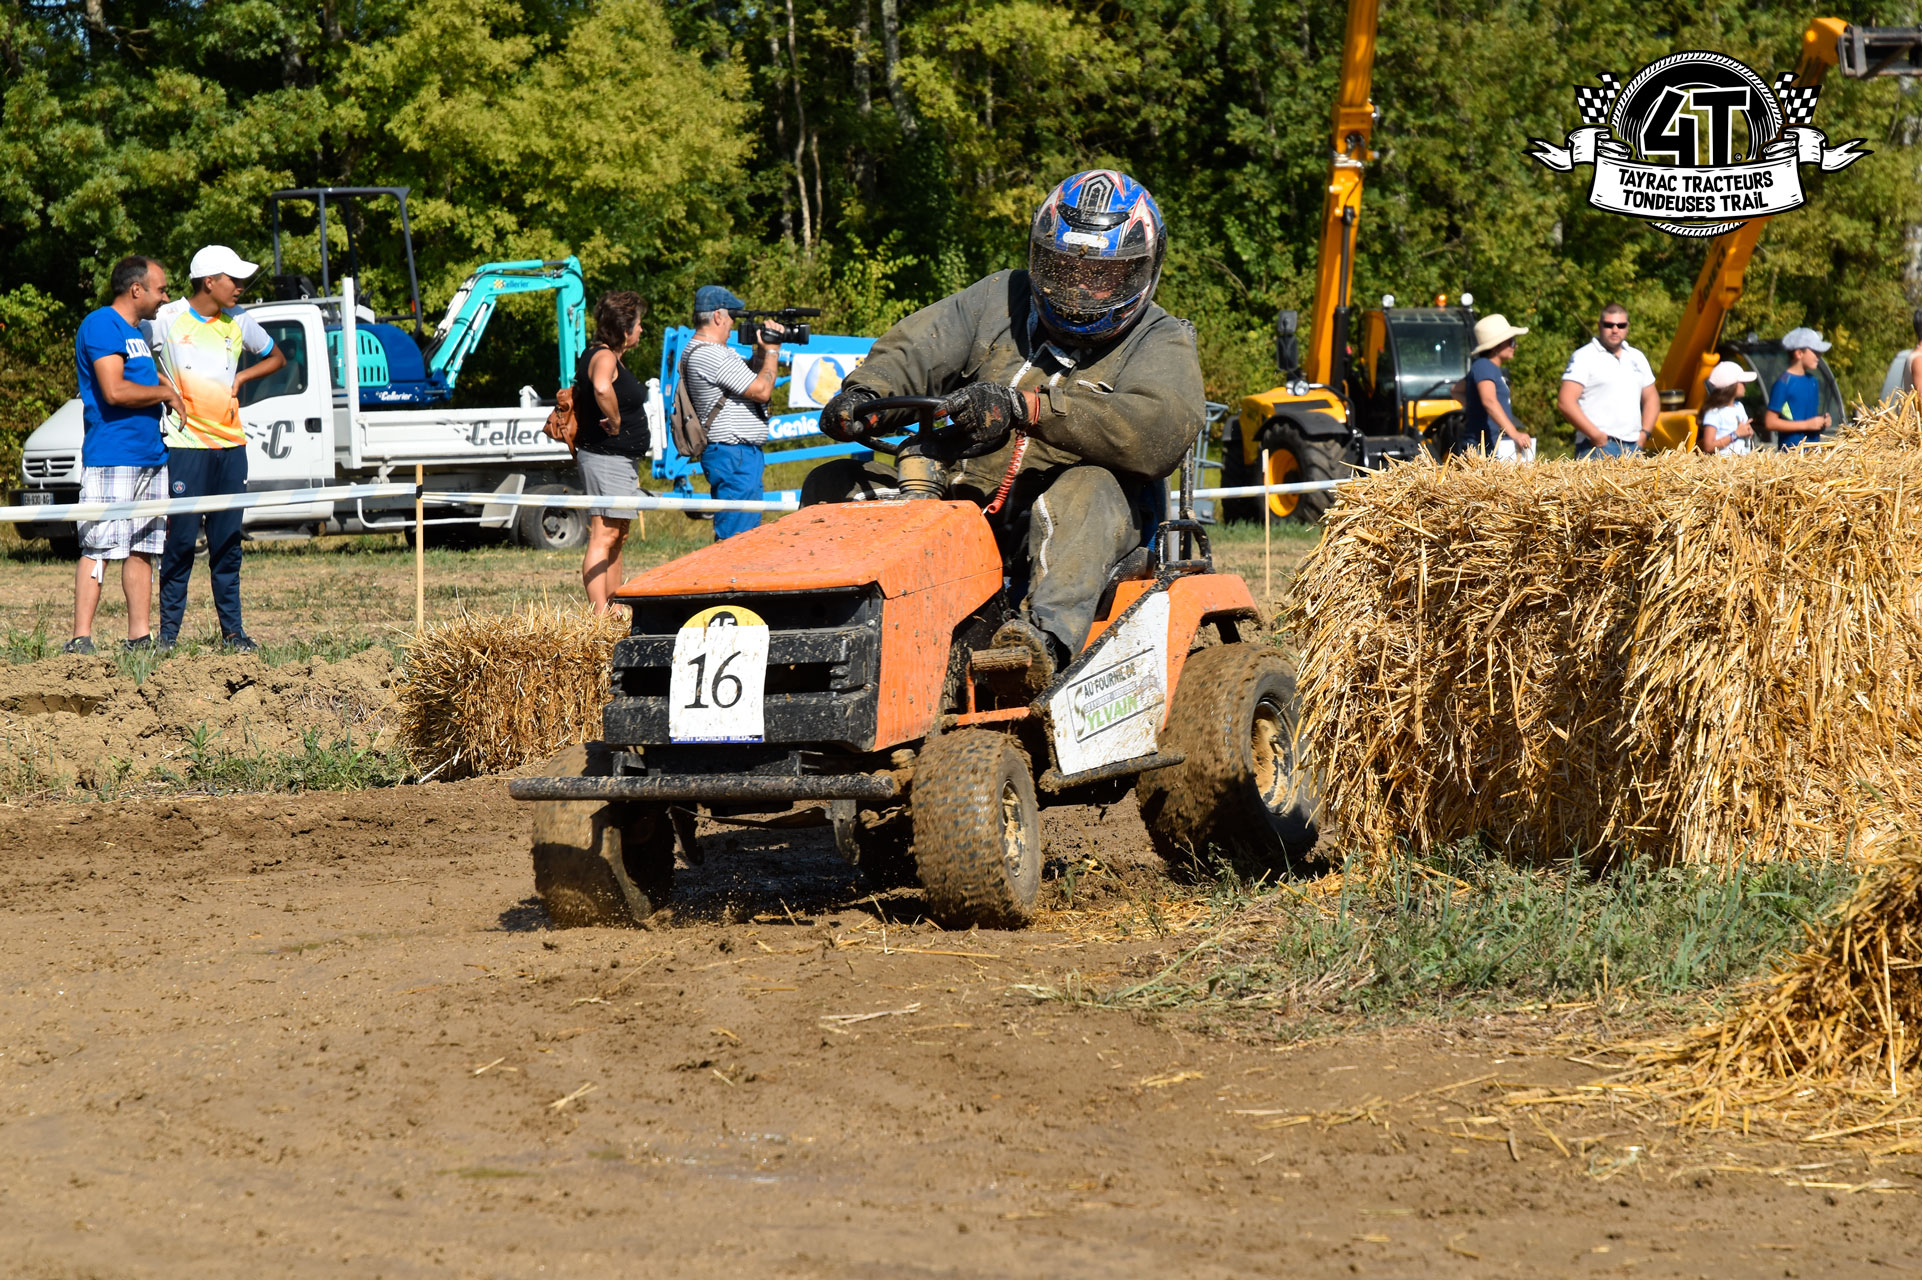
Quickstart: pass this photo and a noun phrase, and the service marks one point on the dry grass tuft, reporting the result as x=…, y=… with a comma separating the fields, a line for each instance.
x=486, y=693
x=1833, y=1032
x=1676, y=656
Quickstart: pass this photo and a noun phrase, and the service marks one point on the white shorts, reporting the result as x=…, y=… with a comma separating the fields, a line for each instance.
x=115, y=539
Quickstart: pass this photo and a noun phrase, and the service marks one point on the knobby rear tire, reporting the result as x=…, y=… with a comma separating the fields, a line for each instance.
x=1240, y=790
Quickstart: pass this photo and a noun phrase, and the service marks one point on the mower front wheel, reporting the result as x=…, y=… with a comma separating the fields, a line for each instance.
x=977, y=831
x=600, y=862
x=1239, y=789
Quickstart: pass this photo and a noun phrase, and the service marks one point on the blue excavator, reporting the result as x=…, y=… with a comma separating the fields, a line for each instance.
x=401, y=368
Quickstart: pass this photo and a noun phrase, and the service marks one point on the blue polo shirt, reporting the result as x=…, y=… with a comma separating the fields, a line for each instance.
x=1796, y=397
x=117, y=436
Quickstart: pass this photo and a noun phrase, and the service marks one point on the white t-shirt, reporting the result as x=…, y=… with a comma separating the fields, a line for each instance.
x=1611, y=387
x=1724, y=419
x=715, y=370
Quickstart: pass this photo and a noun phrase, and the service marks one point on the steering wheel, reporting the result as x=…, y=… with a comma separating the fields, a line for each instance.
x=928, y=407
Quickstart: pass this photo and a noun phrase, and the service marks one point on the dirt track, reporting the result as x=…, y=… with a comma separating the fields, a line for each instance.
x=330, y=1035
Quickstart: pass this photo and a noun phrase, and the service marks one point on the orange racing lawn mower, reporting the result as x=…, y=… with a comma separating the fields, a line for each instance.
x=844, y=654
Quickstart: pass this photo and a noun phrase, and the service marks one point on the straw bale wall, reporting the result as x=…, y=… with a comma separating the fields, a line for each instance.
x=486, y=693
x=1694, y=658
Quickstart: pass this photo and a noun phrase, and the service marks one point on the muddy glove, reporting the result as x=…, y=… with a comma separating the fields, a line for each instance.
x=840, y=418
x=981, y=417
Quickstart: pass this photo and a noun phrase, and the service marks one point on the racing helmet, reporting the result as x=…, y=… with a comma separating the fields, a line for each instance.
x=1094, y=256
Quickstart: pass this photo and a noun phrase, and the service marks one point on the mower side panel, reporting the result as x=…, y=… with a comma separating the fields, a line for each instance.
x=1193, y=600
x=917, y=630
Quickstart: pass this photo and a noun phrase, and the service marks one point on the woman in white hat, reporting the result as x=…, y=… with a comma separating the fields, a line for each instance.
x=1490, y=418
x=1725, y=423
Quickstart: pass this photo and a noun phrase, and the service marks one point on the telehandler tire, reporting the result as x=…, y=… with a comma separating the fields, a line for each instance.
x=1295, y=459
x=1240, y=789
x=599, y=862
x=551, y=528
x=977, y=830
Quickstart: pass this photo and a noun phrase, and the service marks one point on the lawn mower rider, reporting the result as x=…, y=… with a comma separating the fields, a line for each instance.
x=1071, y=398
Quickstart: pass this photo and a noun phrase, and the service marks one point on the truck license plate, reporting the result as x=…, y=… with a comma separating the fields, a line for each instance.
x=36, y=498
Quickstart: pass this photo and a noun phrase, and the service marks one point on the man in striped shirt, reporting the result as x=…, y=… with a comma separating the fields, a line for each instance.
x=733, y=460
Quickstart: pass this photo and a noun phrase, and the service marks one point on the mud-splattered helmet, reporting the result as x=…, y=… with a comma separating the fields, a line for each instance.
x=1094, y=256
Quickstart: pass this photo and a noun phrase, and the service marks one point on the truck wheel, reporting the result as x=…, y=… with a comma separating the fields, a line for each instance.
x=1235, y=473
x=599, y=862
x=977, y=831
x=1240, y=788
x=551, y=528
x=1294, y=459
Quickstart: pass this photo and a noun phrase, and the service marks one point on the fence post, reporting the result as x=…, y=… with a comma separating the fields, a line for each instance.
x=420, y=549
x=1267, y=544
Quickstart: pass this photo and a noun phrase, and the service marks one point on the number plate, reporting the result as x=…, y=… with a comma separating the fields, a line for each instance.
x=36, y=498
x=719, y=675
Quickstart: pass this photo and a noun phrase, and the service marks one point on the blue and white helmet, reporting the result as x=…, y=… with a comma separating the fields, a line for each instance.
x=1094, y=256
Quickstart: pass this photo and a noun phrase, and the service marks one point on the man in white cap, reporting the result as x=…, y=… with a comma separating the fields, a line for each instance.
x=198, y=343
x=1608, y=391
x=1725, y=422
x=1795, y=401
x=1489, y=417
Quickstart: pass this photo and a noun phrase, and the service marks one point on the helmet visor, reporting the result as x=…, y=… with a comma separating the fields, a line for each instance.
x=1080, y=289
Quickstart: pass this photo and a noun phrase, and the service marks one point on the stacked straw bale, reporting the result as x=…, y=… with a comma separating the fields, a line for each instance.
x=486, y=693
x=1689, y=657
x=1840, y=1022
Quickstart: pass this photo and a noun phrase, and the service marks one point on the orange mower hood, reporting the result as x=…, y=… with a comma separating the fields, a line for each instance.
x=901, y=546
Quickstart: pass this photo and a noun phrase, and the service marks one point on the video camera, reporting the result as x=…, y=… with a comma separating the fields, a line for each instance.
x=796, y=333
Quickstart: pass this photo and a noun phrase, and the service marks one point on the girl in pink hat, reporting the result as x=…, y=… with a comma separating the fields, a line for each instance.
x=1725, y=422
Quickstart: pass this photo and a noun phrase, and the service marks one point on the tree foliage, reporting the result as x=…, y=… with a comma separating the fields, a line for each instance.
x=870, y=155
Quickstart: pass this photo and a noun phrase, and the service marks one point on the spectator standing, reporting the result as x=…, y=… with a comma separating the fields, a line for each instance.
x=1904, y=368
x=199, y=342
x=1608, y=391
x=733, y=460
x=122, y=456
x=1489, y=416
x=610, y=437
x=1725, y=421
x=1795, y=401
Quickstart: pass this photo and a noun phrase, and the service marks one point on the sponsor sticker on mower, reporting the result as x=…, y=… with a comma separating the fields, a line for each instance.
x=1112, y=710
x=719, y=675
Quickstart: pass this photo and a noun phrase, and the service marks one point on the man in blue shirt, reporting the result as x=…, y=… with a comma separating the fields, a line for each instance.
x=1795, y=401
x=122, y=458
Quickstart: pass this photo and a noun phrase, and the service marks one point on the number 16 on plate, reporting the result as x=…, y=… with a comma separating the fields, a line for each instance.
x=719, y=676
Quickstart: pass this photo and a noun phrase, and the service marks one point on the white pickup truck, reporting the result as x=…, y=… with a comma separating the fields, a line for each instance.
x=306, y=428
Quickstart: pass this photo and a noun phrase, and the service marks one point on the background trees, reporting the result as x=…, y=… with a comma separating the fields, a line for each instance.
x=869, y=155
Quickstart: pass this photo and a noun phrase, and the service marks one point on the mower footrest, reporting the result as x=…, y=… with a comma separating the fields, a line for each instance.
x=727, y=787
x=1053, y=781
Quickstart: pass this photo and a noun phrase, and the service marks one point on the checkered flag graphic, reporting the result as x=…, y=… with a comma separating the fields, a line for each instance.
x=1798, y=101
x=1594, y=103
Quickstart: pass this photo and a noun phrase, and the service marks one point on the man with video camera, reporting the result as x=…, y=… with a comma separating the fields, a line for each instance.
x=731, y=398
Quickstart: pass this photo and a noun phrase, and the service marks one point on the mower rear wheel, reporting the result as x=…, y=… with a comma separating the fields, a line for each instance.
x=977, y=830
x=1240, y=789
x=599, y=862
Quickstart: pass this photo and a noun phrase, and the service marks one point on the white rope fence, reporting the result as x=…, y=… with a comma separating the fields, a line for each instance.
x=150, y=507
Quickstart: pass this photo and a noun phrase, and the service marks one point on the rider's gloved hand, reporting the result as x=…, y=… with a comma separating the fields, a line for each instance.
x=840, y=416
x=982, y=417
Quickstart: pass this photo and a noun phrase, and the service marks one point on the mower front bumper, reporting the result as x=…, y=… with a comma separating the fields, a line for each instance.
x=725, y=788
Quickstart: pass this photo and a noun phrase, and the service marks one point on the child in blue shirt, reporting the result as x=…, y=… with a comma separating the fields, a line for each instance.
x=1795, y=401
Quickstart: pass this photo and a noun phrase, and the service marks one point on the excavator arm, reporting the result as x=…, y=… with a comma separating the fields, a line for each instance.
x=1862, y=52
x=1354, y=127
x=473, y=304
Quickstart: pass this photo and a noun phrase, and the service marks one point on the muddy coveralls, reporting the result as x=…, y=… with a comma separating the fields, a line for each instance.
x=1115, y=420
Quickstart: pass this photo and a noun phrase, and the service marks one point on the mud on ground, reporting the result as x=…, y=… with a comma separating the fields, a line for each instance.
x=64, y=720
x=332, y=1035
